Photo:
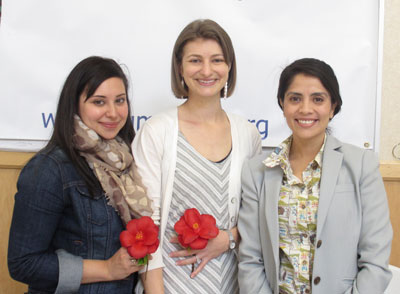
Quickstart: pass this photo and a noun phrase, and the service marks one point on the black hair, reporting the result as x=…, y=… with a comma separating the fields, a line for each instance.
x=315, y=68
x=85, y=78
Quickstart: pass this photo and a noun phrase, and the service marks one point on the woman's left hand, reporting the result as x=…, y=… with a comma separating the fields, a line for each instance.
x=215, y=247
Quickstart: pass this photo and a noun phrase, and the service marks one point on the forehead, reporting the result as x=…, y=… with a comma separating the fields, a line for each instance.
x=108, y=86
x=306, y=82
x=202, y=46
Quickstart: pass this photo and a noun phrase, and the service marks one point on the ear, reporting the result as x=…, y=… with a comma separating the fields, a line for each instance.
x=281, y=103
x=331, y=113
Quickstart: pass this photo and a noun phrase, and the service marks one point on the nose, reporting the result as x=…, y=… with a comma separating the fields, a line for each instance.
x=305, y=106
x=111, y=111
x=206, y=68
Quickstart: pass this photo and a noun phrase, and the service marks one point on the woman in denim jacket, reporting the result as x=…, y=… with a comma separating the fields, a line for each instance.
x=77, y=194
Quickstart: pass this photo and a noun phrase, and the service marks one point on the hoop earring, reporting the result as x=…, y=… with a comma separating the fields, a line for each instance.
x=226, y=90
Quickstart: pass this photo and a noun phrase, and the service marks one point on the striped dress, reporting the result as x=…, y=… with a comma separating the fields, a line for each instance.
x=202, y=184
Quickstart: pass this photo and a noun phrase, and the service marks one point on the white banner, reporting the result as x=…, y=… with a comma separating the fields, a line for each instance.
x=41, y=41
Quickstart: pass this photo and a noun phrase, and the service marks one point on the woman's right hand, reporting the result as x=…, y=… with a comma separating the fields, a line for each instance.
x=121, y=265
x=117, y=267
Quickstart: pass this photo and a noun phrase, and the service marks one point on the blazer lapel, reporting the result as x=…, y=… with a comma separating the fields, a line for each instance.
x=273, y=182
x=332, y=161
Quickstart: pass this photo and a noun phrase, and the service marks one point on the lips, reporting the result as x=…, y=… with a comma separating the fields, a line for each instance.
x=110, y=125
x=207, y=82
x=306, y=122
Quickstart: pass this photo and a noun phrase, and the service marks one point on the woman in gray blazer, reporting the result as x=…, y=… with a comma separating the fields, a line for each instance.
x=314, y=215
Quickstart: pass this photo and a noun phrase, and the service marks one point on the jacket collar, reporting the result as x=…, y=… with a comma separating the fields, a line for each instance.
x=273, y=181
x=331, y=163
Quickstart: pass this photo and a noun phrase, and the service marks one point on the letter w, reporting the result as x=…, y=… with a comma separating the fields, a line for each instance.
x=48, y=120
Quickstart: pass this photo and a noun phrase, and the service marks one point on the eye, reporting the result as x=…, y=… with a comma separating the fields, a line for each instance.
x=319, y=99
x=219, y=60
x=194, y=60
x=294, y=99
x=98, y=102
x=120, y=100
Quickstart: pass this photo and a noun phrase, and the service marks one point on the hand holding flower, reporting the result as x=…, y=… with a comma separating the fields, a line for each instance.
x=140, y=238
x=196, y=233
x=214, y=248
x=195, y=229
x=119, y=266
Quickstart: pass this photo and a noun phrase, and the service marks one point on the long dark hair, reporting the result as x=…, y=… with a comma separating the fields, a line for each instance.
x=85, y=78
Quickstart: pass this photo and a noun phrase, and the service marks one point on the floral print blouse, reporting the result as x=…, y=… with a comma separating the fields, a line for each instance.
x=297, y=215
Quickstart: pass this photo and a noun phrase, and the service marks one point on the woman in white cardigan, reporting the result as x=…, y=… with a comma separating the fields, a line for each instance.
x=203, y=71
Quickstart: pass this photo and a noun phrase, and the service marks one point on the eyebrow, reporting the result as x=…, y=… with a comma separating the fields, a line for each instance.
x=102, y=96
x=198, y=55
x=320, y=94
x=312, y=94
x=293, y=93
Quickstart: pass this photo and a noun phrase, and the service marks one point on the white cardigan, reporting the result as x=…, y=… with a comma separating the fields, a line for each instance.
x=155, y=151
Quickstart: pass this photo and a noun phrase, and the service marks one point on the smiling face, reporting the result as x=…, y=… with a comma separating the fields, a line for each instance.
x=307, y=108
x=204, y=68
x=106, y=110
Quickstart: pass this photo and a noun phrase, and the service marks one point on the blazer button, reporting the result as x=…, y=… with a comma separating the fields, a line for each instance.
x=232, y=219
x=233, y=200
x=319, y=243
x=317, y=280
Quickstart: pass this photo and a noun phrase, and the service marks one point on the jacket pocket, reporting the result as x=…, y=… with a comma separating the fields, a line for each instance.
x=95, y=206
x=79, y=247
x=345, y=188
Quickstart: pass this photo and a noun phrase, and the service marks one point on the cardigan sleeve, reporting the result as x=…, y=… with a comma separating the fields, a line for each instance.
x=255, y=140
x=147, y=150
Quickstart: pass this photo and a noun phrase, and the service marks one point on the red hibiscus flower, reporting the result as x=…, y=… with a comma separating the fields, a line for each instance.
x=195, y=229
x=140, y=238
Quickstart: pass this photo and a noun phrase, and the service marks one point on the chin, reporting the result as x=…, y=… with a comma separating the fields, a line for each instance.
x=308, y=136
x=108, y=136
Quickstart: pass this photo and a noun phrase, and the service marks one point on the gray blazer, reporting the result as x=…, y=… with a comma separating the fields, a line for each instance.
x=353, y=227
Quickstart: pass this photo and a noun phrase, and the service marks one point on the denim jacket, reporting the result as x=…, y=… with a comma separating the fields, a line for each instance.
x=56, y=224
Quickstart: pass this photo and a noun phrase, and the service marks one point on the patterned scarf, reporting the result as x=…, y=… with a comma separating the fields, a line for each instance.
x=114, y=167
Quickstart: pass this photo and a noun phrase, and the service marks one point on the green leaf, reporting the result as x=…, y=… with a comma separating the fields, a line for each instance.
x=143, y=260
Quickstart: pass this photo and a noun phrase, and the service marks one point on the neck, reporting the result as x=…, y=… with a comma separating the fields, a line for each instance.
x=306, y=148
x=203, y=109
